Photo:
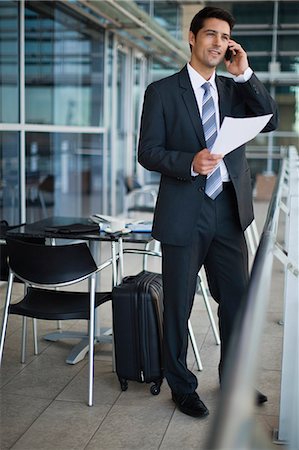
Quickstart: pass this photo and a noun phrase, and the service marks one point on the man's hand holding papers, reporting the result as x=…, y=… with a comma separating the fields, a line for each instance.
x=235, y=132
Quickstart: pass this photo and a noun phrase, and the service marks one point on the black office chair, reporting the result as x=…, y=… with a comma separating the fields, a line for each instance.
x=4, y=228
x=43, y=268
x=4, y=273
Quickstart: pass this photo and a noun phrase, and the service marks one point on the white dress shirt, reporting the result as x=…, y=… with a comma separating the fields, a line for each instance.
x=197, y=81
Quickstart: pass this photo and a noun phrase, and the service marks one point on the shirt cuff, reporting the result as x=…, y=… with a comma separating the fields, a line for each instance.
x=193, y=174
x=244, y=76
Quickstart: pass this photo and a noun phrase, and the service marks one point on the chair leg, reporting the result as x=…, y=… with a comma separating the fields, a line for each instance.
x=53, y=242
x=209, y=310
x=91, y=340
x=34, y=328
x=250, y=240
x=194, y=346
x=24, y=336
x=5, y=314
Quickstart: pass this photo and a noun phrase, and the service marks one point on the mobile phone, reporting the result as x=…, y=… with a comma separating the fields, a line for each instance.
x=228, y=55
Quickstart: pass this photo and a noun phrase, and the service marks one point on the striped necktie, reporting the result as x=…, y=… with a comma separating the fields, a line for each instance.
x=214, y=182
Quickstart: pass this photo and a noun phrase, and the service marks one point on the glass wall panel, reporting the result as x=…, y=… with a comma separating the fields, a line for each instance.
x=288, y=100
x=121, y=127
x=288, y=42
x=259, y=63
x=109, y=117
x=168, y=15
x=64, y=66
x=251, y=13
x=63, y=174
x=137, y=96
x=289, y=63
x=9, y=177
x=289, y=12
x=255, y=42
x=145, y=5
x=9, y=62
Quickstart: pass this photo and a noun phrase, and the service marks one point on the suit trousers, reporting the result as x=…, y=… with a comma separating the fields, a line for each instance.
x=219, y=244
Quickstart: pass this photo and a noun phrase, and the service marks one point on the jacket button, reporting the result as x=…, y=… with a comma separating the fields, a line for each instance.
x=256, y=89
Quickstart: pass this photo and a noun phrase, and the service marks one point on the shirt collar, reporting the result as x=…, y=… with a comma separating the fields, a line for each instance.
x=197, y=80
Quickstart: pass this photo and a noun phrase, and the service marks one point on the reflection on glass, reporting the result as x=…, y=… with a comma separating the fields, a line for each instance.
x=288, y=99
x=9, y=177
x=64, y=67
x=137, y=95
x=168, y=15
x=121, y=128
x=255, y=43
x=63, y=174
x=9, y=62
x=253, y=13
x=289, y=12
x=109, y=111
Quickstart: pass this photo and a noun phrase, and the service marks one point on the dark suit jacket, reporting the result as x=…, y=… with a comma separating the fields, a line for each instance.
x=170, y=135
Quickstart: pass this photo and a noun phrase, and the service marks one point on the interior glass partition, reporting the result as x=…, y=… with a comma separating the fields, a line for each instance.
x=9, y=62
x=52, y=155
x=122, y=116
x=63, y=174
x=10, y=177
x=64, y=65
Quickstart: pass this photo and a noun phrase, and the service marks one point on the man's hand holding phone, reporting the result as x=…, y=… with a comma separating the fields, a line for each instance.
x=235, y=58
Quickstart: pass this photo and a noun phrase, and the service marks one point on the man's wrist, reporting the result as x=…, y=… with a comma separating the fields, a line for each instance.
x=193, y=173
x=243, y=77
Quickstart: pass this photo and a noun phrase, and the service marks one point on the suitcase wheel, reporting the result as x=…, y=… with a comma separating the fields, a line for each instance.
x=123, y=384
x=155, y=388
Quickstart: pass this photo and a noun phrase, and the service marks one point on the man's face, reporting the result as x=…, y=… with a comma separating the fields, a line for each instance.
x=210, y=43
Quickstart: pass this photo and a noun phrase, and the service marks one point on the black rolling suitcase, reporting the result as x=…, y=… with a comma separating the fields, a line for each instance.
x=137, y=322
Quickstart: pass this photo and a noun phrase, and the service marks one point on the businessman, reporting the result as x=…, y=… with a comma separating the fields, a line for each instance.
x=201, y=220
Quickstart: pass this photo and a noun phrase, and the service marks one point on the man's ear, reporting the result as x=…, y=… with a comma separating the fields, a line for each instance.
x=191, y=39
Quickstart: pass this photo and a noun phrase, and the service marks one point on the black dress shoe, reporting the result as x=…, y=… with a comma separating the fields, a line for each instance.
x=190, y=404
x=260, y=398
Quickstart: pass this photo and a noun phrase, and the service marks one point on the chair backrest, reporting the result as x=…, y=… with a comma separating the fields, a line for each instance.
x=131, y=183
x=48, y=184
x=4, y=269
x=46, y=264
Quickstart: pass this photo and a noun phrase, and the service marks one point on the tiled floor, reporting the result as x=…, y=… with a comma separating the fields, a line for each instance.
x=43, y=402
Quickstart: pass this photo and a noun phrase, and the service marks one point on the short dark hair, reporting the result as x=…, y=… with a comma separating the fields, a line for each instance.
x=210, y=12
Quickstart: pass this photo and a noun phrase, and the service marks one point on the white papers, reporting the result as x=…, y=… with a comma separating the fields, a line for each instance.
x=142, y=226
x=235, y=132
x=101, y=218
x=135, y=225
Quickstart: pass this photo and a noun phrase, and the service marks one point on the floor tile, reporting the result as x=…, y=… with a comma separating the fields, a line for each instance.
x=17, y=415
x=63, y=426
x=106, y=385
x=132, y=427
x=45, y=376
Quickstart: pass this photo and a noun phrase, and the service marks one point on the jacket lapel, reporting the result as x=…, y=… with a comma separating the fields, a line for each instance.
x=191, y=104
x=223, y=95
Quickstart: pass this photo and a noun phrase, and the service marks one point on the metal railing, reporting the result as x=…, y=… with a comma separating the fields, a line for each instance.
x=234, y=426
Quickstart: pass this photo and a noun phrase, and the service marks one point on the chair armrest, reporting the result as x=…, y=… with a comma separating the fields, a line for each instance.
x=105, y=264
x=139, y=251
